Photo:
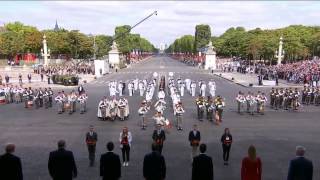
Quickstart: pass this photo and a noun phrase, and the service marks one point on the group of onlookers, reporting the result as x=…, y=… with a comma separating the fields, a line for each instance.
x=62, y=164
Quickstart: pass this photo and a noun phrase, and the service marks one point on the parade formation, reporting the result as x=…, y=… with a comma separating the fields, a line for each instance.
x=237, y=102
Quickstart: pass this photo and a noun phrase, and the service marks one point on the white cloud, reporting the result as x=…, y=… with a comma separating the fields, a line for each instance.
x=174, y=18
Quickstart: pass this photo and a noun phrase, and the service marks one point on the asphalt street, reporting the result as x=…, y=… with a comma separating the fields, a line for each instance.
x=275, y=135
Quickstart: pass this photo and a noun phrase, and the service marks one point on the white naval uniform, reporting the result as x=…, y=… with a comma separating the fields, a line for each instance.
x=141, y=88
x=193, y=89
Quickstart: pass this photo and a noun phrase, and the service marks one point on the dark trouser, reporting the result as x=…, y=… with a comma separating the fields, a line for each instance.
x=92, y=152
x=226, y=151
x=41, y=102
x=50, y=101
x=200, y=113
x=125, y=153
x=37, y=103
x=160, y=147
x=209, y=114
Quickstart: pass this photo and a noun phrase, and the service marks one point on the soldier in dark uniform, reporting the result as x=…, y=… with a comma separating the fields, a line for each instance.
x=304, y=95
x=91, y=141
x=277, y=99
x=281, y=98
x=209, y=108
x=308, y=96
x=200, y=102
x=50, y=96
x=313, y=90
x=272, y=98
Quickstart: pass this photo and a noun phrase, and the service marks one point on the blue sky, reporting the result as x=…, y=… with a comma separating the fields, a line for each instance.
x=174, y=19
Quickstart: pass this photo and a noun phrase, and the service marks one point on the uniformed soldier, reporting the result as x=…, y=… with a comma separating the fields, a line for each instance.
x=26, y=97
x=193, y=88
x=50, y=96
x=179, y=113
x=209, y=108
x=251, y=102
x=277, y=100
x=272, y=98
x=46, y=98
x=281, y=97
x=295, y=100
x=304, y=94
x=141, y=87
x=200, y=102
x=241, y=100
x=219, y=105
x=142, y=111
x=60, y=102
x=72, y=98
x=262, y=100
x=83, y=102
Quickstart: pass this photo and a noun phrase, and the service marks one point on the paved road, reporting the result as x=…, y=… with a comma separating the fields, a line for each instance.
x=275, y=135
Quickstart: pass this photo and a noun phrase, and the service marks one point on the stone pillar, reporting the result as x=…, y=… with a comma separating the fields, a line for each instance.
x=210, y=55
x=45, y=52
x=114, y=58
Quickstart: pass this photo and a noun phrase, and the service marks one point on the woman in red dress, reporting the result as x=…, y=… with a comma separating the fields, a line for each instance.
x=251, y=168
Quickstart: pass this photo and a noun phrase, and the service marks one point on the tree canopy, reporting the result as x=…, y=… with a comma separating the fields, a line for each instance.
x=19, y=38
x=300, y=42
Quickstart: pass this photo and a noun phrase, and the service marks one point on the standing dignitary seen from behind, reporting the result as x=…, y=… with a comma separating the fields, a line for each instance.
x=91, y=141
x=61, y=163
x=300, y=168
x=154, y=165
x=251, y=168
x=125, y=144
x=110, y=165
x=226, y=140
x=202, y=166
x=159, y=137
x=10, y=165
x=194, y=139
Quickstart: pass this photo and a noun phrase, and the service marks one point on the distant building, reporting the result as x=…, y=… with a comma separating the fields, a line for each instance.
x=56, y=27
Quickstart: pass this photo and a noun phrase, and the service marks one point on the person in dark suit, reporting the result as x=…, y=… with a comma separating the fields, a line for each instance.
x=91, y=141
x=110, y=165
x=300, y=168
x=194, y=139
x=226, y=140
x=202, y=166
x=154, y=165
x=61, y=163
x=159, y=137
x=10, y=165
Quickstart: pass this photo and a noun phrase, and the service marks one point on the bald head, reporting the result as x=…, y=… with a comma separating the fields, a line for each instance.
x=10, y=148
x=300, y=150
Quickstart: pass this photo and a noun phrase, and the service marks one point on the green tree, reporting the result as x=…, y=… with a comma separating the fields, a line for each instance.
x=202, y=36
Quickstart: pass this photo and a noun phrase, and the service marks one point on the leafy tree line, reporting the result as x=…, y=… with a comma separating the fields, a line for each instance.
x=300, y=42
x=19, y=38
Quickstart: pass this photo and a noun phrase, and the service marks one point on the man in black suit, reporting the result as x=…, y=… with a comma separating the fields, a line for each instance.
x=10, y=165
x=154, y=165
x=110, y=165
x=61, y=163
x=202, y=166
x=159, y=137
x=300, y=168
x=91, y=141
x=194, y=139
